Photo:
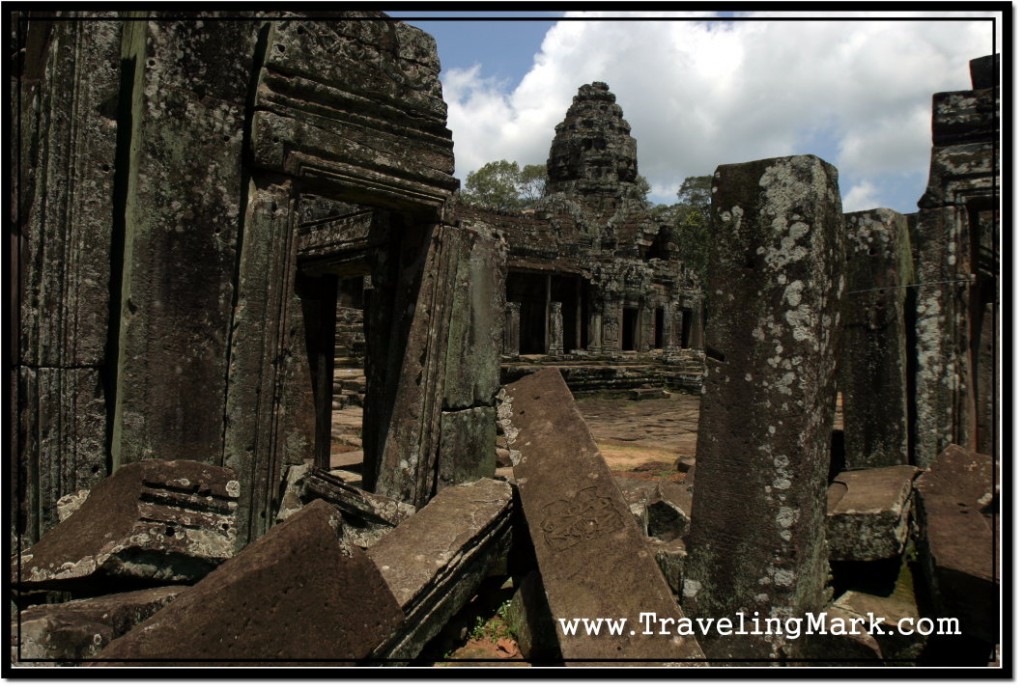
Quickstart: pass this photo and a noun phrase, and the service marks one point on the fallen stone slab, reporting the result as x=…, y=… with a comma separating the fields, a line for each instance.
x=592, y=556
x=869, y=513
x=298, y=594
x=894, y=643
x=79, y=629
x=70, y=503
x=671, y=558
x=434, y=561
x=848, y=644
x=956, y=503
x=368, y=516
x=151, y=521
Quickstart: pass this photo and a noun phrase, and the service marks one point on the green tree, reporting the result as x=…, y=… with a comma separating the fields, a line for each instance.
x=644, y=188
x=693, y=224
x=495, y=185
x=503, y=185
x=532, y=180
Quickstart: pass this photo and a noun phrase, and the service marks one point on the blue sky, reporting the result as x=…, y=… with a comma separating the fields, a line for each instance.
x=854, y=91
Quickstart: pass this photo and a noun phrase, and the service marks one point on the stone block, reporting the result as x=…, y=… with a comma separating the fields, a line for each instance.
x=957, y=504
x=668, y=513
x=152, y=521
x=869, y=513
x=368, y=516
x=79, y=629
x=592, y=556
x=894, y=644
x=298, y=594
x=434, y=561
x=671, y=558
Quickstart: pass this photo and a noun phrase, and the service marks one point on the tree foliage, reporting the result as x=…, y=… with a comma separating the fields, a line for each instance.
x=504, y=185
x=693, y=224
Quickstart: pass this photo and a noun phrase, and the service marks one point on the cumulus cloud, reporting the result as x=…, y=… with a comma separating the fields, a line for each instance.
x=701, y=93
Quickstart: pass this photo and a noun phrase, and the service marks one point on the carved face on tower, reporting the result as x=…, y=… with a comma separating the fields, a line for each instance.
x=592, y=152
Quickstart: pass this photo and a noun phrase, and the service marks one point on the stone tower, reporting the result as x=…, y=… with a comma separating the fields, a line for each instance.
x=593, y=155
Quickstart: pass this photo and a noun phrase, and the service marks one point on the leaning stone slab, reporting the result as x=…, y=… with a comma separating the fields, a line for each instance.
x=368, y=516
x=593, y=557
x=869, y=513
x=79, y=629
x=152, y=521
x=434, y=561
x=300, y=593
x=956, y=503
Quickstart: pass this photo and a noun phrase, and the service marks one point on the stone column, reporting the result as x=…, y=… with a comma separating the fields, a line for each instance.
x=556, y=332
x=873, y=366
x=670, y=329
x=757, y=541
x=64, y=257
x=511, y=339
x=697, y=326
x=645, y=329
x=594, y=332
x=611, y=320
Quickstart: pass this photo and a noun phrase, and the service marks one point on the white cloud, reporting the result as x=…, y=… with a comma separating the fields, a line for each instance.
x=863, y=196
x=699, y=94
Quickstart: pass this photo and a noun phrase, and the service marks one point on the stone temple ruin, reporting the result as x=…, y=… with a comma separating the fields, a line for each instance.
x=204, y=233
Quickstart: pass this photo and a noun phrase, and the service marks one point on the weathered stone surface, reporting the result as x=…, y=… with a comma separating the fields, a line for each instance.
x=269, y=409
x=592, y=556
x=70, y=503
x=895, y=644
x=873, y=370
x=368, y=516
x=671, y=558
x=79, y=629
x=869, y=513
x=668, y=513
x=434, y=561
x=638, y=494
x=299, y=593
x=956, y=508
x=169, y=521
x=467, y=444
x=291, y=496
x=183, y=205
x=379, y=136
x=529, y=616
x=430, y=371
x=956, y=252
x=985, y=72
x=757, y=538
x=63, y=254
x=851, y=643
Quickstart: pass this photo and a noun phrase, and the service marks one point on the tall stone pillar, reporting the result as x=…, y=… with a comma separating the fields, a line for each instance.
x=873, y=366
x=670, y=329
x=511, y=338
x=611, y=336
x=645, y=329
x=757, y=541
x=556, y=330
x=697, y=326
x=63, y=259
x=595, y=330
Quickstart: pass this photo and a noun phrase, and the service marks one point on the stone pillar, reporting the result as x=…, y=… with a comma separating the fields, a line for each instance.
x=63, y=259
x=670, y=329
x=697, y=326
x=645, y=329
x=611, y=320
x=873, y=366
x=556, y=330
x=186, y=198
x=595, y=331
x=511, y=339
x=757, y=538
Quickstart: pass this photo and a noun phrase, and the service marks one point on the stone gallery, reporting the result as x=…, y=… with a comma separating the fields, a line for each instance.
x=215, y=220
